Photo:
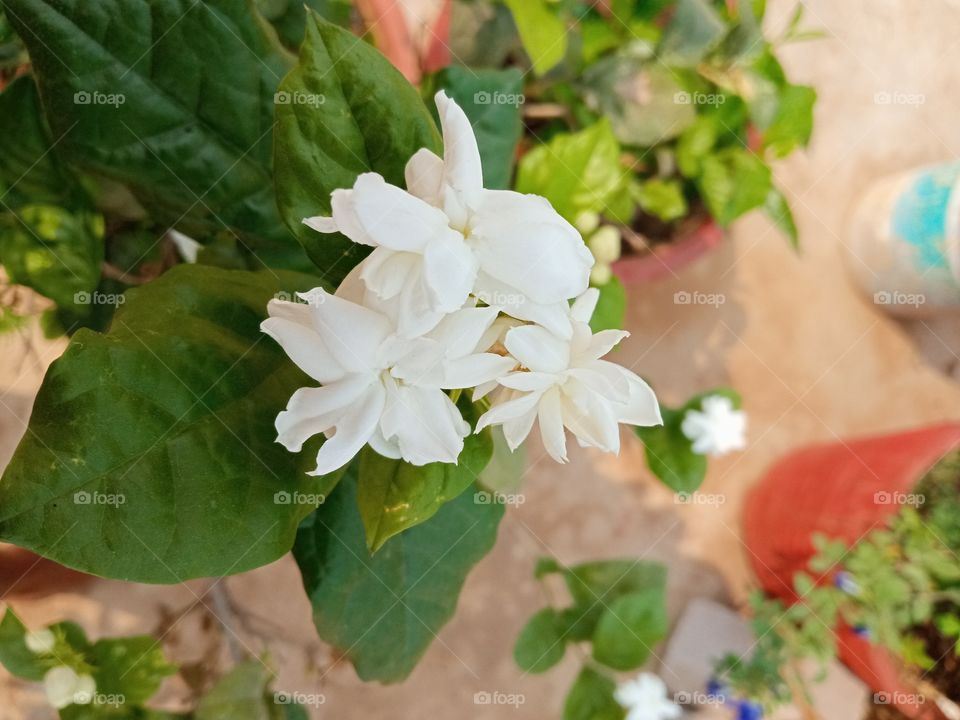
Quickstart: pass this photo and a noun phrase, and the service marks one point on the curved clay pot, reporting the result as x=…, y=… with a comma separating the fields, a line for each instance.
x=832, y=489
x=24, y=574
x=665, y=260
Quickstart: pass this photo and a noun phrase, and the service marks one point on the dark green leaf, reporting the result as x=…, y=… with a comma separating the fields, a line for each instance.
x=150, y=454
x=540, y=644
x=394, y=495
x=492, y=99
x=383, y=611
x=239, y=695
x=14, y=654
x=543, y=33
x=629, y=628
x=344, y=110
x=173, y=98
x=132, y=667
x=694, y=30
x=289, y=17
x=591, y=698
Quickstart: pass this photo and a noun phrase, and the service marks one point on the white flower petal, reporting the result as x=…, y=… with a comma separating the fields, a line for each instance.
x=424, y=176
x=590, y=417
x=385, y=271
x=352, y=333
x=387, y=448
x=550, y=415
x=515, y=431
x=603, y=342
x=529, y=381
x=415, y=312
x=449, y=271
x=524, y=243
x=425, y=424
x=293, y=327
x=462, y=170
x=59, y=685
x=510, y=409
x=639, y=406
x=321, y=224
x=353, y=430
x=538, y=349
x=555, y=317
x=392, y=217
x=584, y=306
x=464, y=331
x=474, y=370
x=312, y=411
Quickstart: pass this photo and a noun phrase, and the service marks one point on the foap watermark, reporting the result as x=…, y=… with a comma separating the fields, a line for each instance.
x=283, y=497
x=500, y=299
x=283, y=697
x=498, y=97
x=899, y=498
x=697, y=698
x=699, y=98
x=895, y=297
x=98, y=298
x=496, y=697
x=317, y=296
x=683, y=297
x=484, y=497
x=98, y=698
x=696, y=498
x=898, y=698
x=298, y=97
x=84, y=497
x=897, y=97
x=95, y=97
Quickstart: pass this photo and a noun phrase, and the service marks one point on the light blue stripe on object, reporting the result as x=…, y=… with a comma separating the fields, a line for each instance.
x=920, y=214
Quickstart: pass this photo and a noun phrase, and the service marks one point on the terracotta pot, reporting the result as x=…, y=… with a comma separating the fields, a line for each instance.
x=667, y=259
x=25, y=574
x=841, y=490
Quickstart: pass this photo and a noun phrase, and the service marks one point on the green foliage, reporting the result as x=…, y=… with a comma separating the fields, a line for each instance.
x=289, y=17
x=492, y=100
x=611, y=307
x=694, y=30
x=733, y=182
x=340, y=117
x=543, y=32
x=156, y=439
x=618, y=607
x=669, y=452
x=662, y=198
x=383, y=611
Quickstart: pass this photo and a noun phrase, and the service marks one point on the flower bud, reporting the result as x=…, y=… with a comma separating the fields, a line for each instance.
x=587, y=222
x=39, y=642
x=605, y=244
x=600, y=274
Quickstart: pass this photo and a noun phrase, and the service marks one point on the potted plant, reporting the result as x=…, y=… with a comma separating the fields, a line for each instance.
x=856, y=543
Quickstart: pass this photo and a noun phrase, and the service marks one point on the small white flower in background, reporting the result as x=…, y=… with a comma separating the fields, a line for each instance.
x=379, y=388
x=39, y=642
x=564, y=384
x=718, y=429
x=645, y=698
x=187, y=247
x=605, y=246
x=446, y=237
x=63, y=686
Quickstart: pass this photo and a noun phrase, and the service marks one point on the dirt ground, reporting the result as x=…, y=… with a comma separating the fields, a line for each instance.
x=813, y=359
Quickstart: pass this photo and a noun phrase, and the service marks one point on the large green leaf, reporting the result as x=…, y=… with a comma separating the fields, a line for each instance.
x=541, y=643
x=591, y=698
x=346, y=110
x=173, y=98
x=394, y=495
x=733, y=182
x=382, y=612
x=150, y=454
x=492, y=100
x=576, y=172
x=542, y=31
x=628, y=629
x=289, y=17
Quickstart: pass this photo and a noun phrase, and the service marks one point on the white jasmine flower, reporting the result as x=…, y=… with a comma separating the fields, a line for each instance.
x=63, y=686
x=645, y=698
x=718, y=429
x=39, y=642
x=377, y=386
x=563, y=383
x=446, y=237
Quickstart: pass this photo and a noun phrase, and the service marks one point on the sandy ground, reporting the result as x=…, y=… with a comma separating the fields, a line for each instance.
x=812, y=358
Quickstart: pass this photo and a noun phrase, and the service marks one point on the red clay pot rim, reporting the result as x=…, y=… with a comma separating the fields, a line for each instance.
x=668, y=259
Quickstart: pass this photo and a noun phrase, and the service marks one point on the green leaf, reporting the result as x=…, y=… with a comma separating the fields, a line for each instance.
x=492, y=100
x=793, y=123
x=670, y=453
x=53, y=251
x=150, y=453
x=543, y=32
x=734, y=181
x=14, y=654
x=540, y=644
x=239, y=695
x=611, y=307
x=289, y=17
x=694, y=30
x=190, y=138
x=662, y=198
x=132, y=667
x=383, y=611
x=601, y=581
x=591, y=698
x=629, y=628
x=394, y=495
x=641, y=97
x=695, y=143
x=778, y=210
x=344, y=110
x=576, y=172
